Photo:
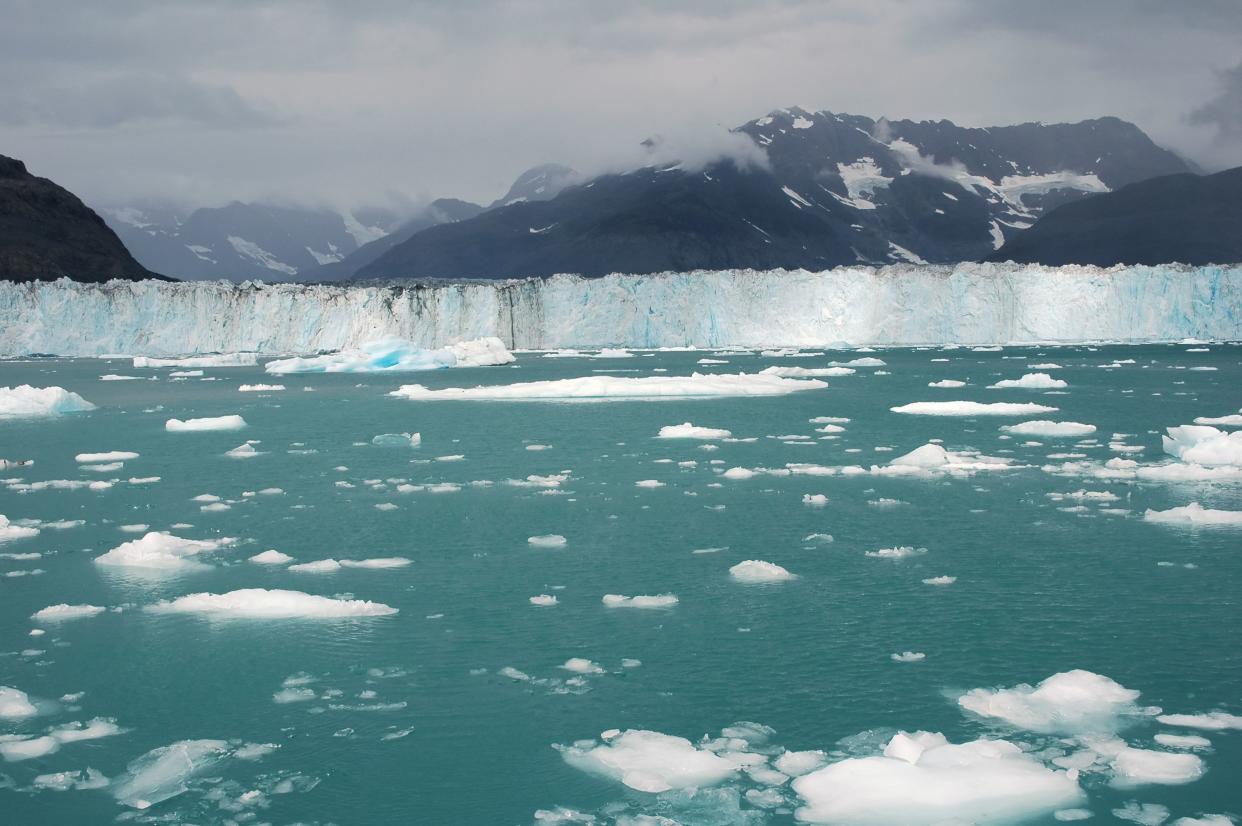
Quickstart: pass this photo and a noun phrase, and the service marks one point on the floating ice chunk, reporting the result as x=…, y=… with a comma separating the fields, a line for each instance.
x=620, y=387
x=1030, y=381
x=319, y=566
x=1204, y=820
x=1050, y=430
x=1045, y=366
x=293, y=694
x=260, y=388
x=642, y=601
x=245, y=451
x=543, y=600
x=648, y=761
x=550, y=540
x=376, y=563
x=271, y=557
x=1134, y=767
x=817, y=500
x=757, y=571
x=908, y=657
x=221, y=360
x=797, y=763
x=581, y=665
x=1194, y=514
x=15, y=704
x=940, y=580
x=10, y=532
x=1182, y=741
x=395, y=355
x=1232, y=420
x=648, y=483
x=1071, y=702
x=793, y=372
x=865, y=361
x=1068, y=815
x=1144, y=814
x=398, y=440
x=90, y=730
x=829, y=420
x=87, y=778
x=163, y=773
x=160, y=551
x=933, y=457
x=115, y=377
x=14, y=750
x=109, y=456
x=689, y=431
x=233, y=422
x=947, y=383
x=1204, y=445
x=900, y=552
x=1212, y=721
x=261, y=603
x=923, y=779
x=961, y=408
x=64, y=611
x=25, y=401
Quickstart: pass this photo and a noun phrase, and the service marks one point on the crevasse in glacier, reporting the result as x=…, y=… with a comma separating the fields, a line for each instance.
x=897, y=305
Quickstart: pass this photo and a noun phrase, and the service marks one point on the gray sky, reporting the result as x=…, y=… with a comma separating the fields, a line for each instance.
x=316, y=101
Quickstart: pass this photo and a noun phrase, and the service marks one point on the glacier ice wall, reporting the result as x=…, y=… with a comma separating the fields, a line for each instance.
x=897, y=305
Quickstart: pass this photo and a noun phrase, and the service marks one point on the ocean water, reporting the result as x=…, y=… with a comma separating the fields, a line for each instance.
x=412, y=718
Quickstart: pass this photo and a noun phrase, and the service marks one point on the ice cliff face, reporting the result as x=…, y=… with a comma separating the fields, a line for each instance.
x=897, y=305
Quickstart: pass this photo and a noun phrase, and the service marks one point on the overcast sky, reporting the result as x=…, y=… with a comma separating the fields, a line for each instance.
x=337, y=103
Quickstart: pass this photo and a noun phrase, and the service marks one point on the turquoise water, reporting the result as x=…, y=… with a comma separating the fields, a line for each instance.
x=445, y=738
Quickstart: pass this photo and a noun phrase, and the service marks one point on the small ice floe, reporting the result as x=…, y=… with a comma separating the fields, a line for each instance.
x=218, y=360
x=397, y=440
x=106, y=456
x=1211, y=721
x=550, y=540
x=260, y=388
x=648, y=761
x=1071, y=703
x=1194, y=514
x=261, y=603
x=940, y=580
x=160, y=551
x=232, y=422
x=947, y=383
x=244, y=451
x=908, y=657
x=642, y=601
x=271, y=557
x=648, y=483
x=64, y=611
x=395, y=355
x=817, y=500
x=543, y=600
x=690, y=431
x=1050, y=430
x=966, y=408
x=899, y=552
x=1030, y=381
x=753, y=571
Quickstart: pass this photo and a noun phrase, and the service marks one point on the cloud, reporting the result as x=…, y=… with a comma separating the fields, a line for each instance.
x=1224, y=111
x=108, y=102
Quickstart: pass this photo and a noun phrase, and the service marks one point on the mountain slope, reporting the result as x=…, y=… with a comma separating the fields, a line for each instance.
x=837, y=189
x=46, y=233
x=243, y=241
x=1189, y=219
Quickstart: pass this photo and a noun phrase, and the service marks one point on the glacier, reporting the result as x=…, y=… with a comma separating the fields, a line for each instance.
x=904, y=304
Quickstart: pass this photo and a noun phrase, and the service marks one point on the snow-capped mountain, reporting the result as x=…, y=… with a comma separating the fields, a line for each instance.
x=241, y=241
x=1192, y=219
x=837, y=189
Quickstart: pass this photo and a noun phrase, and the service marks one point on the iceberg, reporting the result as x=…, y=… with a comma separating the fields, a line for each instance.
x=261, y=603
x=972, y=408
x=222, y=360
x=696, y=385
x=968, y=303
x=398, y=355
x=233, y=422
x=25, y=401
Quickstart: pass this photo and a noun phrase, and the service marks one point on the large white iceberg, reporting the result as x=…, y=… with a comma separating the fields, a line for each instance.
x=1204, y=445
x=966, y=303
x=398, y=355
x=261, y=603
x=25, y=401
x=161, y=551
x=648, y=761
x=618, y=387
x=922, y=779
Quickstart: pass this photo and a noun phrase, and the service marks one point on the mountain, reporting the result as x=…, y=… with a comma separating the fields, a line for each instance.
x=1189, y=219
x=539, y=183
x=46, y=233
x=440, y=211
x=245, y=241
x=828, y=190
